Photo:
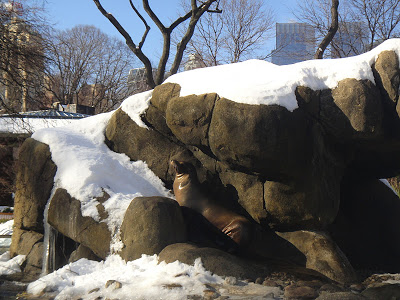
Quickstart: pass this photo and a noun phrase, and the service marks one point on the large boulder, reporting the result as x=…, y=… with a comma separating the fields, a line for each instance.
x=156, y=113
x=65, y=216
x=150, y=224
x=189, y=118
x=29, y=243
x=125, y=136
x=353, y=110
x=34, y=182
x=214, y=260
x=35, y=179
x=387, y=76
x=274, y=138
x=322, y=255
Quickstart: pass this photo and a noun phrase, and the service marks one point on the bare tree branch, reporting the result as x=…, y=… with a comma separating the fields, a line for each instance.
x=194, y=15
x=144, y=22
x=197, y=12
x=153, y=16
x=234, y=35
x=331, y=32
x=136, y=50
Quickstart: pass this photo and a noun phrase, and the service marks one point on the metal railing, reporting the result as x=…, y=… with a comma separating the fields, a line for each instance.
x=6, y=216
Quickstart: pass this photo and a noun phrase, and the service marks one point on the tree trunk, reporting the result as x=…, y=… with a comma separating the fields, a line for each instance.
x=331, y=32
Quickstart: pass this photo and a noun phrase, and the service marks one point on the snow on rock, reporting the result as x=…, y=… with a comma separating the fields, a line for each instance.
x=136, y=105
x=86, y=168
x=10, y=266
x=261, y=82
x=143, y=278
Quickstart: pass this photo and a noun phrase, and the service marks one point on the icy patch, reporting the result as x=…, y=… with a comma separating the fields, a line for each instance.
x=261, y=82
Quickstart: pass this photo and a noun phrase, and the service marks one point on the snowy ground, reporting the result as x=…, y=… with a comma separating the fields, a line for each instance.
x=7, y=265
x=5, y=229
x=143, y=278
x=30, y=125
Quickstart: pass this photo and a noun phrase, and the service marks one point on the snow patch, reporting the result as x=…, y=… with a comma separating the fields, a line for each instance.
x=136, y=105
x=261, y=82
x=29, y=125
x=6, y=228
x=10, y=265
x=87, y=168
x=143, y=278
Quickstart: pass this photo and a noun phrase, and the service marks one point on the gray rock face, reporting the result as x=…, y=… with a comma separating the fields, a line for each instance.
x=82, y=252
x=125, y=136
x=65, y=216
x=151, y=224
x=382, y=292
x=29, y=243
x=265, y=130
x=156, y=114
x=387, y=76
x=189, y=118
x=35, y=179
x=322, y=255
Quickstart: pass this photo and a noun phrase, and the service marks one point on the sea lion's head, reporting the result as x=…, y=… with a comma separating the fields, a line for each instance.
x=183, y=170
x=185, y=183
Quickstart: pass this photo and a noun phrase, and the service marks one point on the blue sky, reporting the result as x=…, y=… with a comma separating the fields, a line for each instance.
x=68, y=13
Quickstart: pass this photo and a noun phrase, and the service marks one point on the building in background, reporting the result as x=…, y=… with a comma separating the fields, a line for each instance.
x=295, y=42
x=22, y=69
x=194, y=62
x=137, y=80
x=348, y=40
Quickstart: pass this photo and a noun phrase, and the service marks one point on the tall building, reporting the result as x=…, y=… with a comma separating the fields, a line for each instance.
x=137, y=80
x=295, y=42
x=21, y=63
x=348, y=40
x=194, y=62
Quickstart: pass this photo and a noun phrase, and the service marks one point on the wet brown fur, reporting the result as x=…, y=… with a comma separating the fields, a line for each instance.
x=188, y=194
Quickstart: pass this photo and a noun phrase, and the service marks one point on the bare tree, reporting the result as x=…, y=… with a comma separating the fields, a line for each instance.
x=22, y=56
x=208, y=40
x=234, y=35
x=362, y=24
x=197, y=9
x=381, y=18
x=88, y=67
x=331, y=31
x=323, y=16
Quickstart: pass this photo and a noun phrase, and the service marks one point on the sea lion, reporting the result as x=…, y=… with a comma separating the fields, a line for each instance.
x=188, y=194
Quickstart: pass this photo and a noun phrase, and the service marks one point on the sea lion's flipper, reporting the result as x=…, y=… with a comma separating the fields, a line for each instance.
x=203, y=233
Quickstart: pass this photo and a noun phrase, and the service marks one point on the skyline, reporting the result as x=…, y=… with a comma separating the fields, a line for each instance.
x=65, y=15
